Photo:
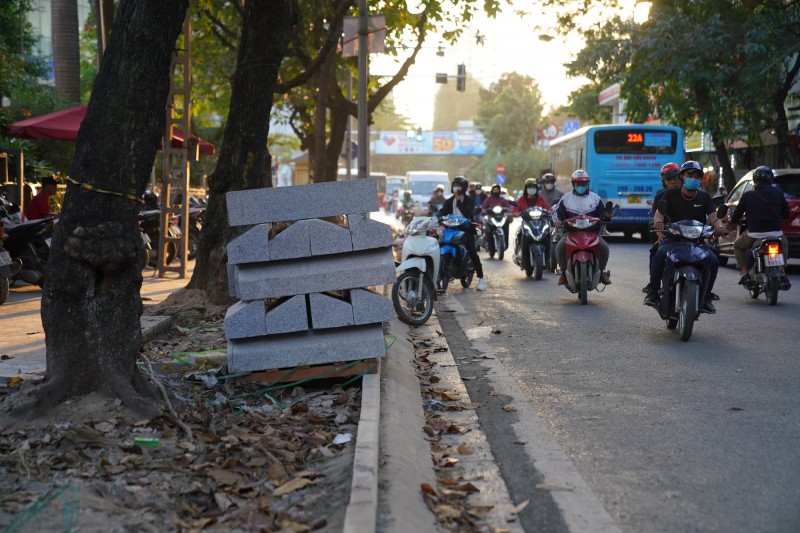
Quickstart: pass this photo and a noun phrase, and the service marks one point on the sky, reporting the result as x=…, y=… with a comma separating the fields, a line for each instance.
x=511, y=45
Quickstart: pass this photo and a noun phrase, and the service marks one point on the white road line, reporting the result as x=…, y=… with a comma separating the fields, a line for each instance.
x=582, y=510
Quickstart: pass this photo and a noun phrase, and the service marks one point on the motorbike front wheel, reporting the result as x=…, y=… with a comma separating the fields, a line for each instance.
x=688, y=309
x=499, y=245
x=413, y=302
x=469, y=272
x=771, y=290
x=538, y=267
x=583, y=283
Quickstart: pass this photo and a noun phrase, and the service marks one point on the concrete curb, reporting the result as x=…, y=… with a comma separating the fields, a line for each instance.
x=154, y=325
x=405, y=457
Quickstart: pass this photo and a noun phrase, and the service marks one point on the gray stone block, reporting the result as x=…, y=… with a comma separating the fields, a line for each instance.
x=367, y=234
x=327, y=238
x=329, y=312
x=288, y=316
x=232, y=275
x=274, y=204
x=245, y=319
x=291, y=243
x=369, y=307
x=309, y=348
x=251, y=246
x=258, y=281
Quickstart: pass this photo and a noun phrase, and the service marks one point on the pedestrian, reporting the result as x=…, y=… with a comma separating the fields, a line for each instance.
x=39, y=206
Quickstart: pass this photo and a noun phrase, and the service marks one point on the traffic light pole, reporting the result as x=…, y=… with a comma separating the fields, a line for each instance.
x=363, y=73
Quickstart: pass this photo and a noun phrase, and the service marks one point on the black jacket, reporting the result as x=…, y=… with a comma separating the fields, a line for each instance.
x=466, y=206
x=765, y=207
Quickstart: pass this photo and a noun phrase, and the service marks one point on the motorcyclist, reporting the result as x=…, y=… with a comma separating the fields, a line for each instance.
x=530, y=198
x=406, y=202
x=437, y=200
x=461, y=204
x=150, y=200
x=549, y=190
x=765, y=207
x=685, y=203
x=669, y=180
x=480, y=194
x=581, y=201
x=496, y=199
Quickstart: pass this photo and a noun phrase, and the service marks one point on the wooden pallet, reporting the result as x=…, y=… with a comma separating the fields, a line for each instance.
x=328, y=371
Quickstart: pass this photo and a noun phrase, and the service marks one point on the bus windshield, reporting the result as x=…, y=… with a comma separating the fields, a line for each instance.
x=424, y=187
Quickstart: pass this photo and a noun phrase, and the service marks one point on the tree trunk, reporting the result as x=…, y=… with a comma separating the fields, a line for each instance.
x=244, y=161
x=66, y=49
x=728, y=177
x=91, y=304
x=324, y=80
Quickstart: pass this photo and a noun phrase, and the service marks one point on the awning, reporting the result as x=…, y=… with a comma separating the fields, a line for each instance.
x=63, y=125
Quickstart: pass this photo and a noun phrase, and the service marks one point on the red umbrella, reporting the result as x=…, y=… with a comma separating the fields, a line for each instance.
x=63, y=125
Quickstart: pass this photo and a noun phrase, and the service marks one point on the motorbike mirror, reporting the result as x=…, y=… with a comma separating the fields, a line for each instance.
x=722, y=210
x=614, y=209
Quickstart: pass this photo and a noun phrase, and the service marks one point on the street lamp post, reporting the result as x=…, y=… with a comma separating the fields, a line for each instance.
x=363, y=73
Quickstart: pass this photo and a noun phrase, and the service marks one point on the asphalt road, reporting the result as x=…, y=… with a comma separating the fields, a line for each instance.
x=669, y=435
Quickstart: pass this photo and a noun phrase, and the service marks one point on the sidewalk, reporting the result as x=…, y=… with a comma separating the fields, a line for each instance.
x=21, y=322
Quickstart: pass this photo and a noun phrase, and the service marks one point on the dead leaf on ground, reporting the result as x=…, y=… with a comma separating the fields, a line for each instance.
x=427, y=489
x=509, y=408
x=293, y=485
x=463, y=449
x=552, y=486
x=518, y=508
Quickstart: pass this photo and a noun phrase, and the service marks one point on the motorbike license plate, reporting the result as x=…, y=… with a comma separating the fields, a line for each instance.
x=5, y=258
x=634, y=198
x=773, y=260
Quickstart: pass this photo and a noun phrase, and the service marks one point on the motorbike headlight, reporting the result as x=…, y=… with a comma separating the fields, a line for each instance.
x=536, y=214
x=582, y=223
x=691, y=232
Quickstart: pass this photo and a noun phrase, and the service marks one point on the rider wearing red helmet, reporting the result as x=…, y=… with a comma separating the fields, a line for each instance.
x=581, y=201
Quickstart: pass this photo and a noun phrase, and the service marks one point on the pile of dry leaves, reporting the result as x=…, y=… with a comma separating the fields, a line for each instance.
x=228, y=454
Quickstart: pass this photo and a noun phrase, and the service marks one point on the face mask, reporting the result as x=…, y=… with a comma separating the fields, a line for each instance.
x=581, y=190
x=495, y=194
x=532, y=191
x=691, y=184
x=456, y=189
x=549, y=186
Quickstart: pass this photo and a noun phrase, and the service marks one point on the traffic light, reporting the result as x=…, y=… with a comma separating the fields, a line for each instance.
x=461, y=79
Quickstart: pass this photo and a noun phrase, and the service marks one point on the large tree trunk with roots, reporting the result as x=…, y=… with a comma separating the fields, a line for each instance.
x=91, y=304
x=244, y=161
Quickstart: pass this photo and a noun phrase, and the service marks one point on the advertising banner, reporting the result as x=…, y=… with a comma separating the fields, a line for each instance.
x=429, y=143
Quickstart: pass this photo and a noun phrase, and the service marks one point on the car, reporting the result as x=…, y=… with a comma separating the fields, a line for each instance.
x=788, y=179
x=422, y=183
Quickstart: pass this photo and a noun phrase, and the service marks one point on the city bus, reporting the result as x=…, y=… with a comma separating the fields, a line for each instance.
x=623, y=162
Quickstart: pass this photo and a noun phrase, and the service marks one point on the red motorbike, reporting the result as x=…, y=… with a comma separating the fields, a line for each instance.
x=583, y=254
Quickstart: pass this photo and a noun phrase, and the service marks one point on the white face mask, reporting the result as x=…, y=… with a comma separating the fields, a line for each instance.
x=532, y=190
x=549, y=186
x=456, y=189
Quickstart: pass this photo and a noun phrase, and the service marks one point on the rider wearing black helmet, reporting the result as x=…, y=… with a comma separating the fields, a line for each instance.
x=766, y=207
x=460, y=203
x=549, y=191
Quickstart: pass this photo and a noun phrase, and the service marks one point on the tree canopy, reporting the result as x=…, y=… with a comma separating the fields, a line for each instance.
x=509, y=116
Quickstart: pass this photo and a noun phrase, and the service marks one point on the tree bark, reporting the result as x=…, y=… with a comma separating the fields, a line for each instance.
x=91, y=304
x=244, y=161
x=66, y=49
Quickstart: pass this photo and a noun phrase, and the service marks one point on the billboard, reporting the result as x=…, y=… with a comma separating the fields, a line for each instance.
x=430, y=143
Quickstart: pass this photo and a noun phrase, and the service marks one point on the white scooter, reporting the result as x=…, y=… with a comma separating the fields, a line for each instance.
x=413, y=293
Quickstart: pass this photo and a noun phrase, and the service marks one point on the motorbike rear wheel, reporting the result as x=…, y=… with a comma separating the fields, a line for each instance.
x=413, y=303
x=583, y=283
x=688, y=309
x=3, y=289
x=444, y=272
x=771, y=291
x=469, y=272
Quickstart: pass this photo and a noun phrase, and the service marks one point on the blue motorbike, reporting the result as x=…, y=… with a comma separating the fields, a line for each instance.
x=455, y=262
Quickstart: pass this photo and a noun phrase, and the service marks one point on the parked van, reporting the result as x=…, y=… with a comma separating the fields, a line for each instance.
x=422, y=183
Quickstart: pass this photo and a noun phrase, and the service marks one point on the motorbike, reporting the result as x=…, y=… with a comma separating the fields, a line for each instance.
x=686, y=275
x=195, y=226
x=8, y=268
x=583, y=254
x=494, y=236
x=406, y=215
x=27, y=242
x=455, y=261
x=150, y=223
x=413, y=293
x=765, y=260
x=533, y=242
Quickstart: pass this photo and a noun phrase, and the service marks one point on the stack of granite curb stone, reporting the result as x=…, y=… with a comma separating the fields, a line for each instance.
x=301, y=281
